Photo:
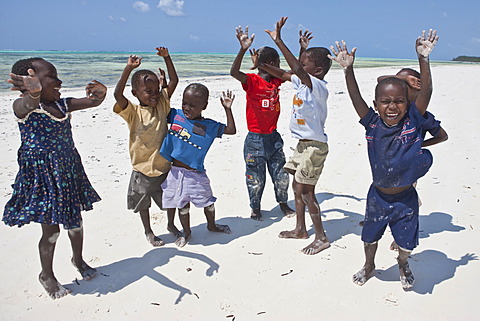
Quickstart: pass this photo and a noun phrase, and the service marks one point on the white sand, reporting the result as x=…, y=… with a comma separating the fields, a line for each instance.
x=242, y=275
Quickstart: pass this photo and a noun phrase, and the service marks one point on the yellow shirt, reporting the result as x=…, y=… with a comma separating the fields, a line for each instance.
x=148, y=127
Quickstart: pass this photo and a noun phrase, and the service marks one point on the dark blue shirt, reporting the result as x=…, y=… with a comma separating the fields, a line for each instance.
x=395, y=153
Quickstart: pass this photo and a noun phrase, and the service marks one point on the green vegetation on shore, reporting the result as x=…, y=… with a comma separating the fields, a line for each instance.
x=467, y=58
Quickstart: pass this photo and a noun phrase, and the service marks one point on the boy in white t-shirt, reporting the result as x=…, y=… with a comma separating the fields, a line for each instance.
x=307, y=125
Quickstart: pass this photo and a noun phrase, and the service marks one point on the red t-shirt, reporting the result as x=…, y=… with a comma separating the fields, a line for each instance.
x=263, y=103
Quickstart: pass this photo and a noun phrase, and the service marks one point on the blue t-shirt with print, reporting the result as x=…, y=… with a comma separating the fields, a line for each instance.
x=395, y=153
x=188, y=140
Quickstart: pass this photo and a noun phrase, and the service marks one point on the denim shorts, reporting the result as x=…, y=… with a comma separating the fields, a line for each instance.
x=183, y=186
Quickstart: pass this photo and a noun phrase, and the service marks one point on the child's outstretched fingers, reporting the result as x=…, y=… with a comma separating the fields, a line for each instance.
x=26, y=84
x=425, y=44
x=254, y=56
x=342, y=57
x=162, y=78
x=305, y=38
x=96, y=90
x=227, y=99
x=134, y=61
x=162, y=51
x=245, y=41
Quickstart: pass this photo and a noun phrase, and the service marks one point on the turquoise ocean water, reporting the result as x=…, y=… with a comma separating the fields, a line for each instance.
x=77, y=68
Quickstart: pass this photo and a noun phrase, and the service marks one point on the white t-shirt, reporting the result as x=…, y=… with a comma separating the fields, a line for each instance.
x=309, y=110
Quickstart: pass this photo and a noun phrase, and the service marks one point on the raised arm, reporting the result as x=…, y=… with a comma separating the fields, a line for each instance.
x=227, y=101
x=133, y=62
x=276, y=72
x=245, y=43
x=293, y=62
x=346, y=60
x=172, y=73
x=95, y=95
x=304, y=41
x=31, y=89
x=424, y=46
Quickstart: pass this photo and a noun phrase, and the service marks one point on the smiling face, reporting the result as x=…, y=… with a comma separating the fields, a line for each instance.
x=47, y=74
x=309, y=65
x=391, y=102
x=147, y=90
x=193, y=103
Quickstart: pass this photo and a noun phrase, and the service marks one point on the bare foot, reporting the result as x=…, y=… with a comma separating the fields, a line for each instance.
x=256, y=215
x=394, y=246
x=316, y=246
x=363, y=275
x=287, y=211
x=220, y=228
x=54, y=289
x=154, y=240
x=293, y=235
x=85, y=270
x=406, y=276
x=182, y=240
x=174, y=230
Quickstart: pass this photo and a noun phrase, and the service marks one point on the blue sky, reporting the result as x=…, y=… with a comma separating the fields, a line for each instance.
x=384, y=29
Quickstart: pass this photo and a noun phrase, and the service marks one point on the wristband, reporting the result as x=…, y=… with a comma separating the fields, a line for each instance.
x=34, y=97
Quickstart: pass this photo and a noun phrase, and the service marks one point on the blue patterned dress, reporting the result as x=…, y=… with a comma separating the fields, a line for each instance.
x=51, y=186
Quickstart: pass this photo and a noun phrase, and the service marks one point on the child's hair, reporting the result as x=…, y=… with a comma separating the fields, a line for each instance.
x=21, y=67
x=319, y=56
x=267, y=55
x=141, y=74
x=410, y=71
x=391, y=81
x=199, y=90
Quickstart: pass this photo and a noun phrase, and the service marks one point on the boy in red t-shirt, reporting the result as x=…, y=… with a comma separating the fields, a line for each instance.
x=263, y=145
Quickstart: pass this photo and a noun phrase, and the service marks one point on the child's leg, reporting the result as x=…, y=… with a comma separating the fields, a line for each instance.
x=184, y=215
x=255, y=161
x=211, y=225
x=154, y=240
x=321, y=241
x=46, y=248
x=171, y=222
x=406, y=275
x=300, y=231
x=76, y=240
x=365, y=273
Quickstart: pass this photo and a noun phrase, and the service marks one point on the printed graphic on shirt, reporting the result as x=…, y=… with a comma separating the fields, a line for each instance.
x=182, y=133
x=297, y=102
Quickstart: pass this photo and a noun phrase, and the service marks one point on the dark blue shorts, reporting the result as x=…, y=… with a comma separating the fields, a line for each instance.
x=399, y=211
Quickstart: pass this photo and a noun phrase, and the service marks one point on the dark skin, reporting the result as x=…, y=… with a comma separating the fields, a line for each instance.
x=245, y=44
x=304, y=193
x=147, y=92
x=193, y=103
x=42, y=85
x=391, y=107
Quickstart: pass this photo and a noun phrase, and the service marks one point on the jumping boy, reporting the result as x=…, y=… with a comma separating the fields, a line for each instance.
x=307, y=123
x=263, y=146
x=148, y=127
x=186, y=145
x=397, y=160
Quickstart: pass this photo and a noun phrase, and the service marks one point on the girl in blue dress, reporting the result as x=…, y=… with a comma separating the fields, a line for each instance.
x=51, y=187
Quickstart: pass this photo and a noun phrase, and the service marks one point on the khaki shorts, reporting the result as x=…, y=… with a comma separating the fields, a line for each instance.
x=142, y=189
x=307, y=161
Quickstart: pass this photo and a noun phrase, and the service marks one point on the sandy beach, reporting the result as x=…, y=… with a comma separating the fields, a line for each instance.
x=252, y=274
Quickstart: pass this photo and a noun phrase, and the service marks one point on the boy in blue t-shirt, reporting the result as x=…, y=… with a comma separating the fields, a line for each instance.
x=186, y=145
x=397, y=160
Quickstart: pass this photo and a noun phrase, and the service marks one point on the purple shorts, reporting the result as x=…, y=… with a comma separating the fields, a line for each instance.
x=186, y=185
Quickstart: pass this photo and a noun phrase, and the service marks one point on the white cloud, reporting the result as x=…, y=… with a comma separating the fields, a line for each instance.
x=194, y=38
x=172, y=7
x=475, y=41
x=141, y=6
x=111, y=18
x=122, y=19
x=445, y=15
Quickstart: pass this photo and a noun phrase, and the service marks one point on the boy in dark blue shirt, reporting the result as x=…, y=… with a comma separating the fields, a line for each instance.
x=395, y=137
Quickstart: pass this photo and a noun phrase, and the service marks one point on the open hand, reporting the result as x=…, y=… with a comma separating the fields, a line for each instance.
x=245, y=41
x=29, y=84
x=276, y=34
x=162, y=78
x=425, y=44
x=254, y=56
x=162, y=51
x=305, y=38
x=134, y=61
x=227, y=99
x=413, y=82
x=96, y=90
x=342, y=56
